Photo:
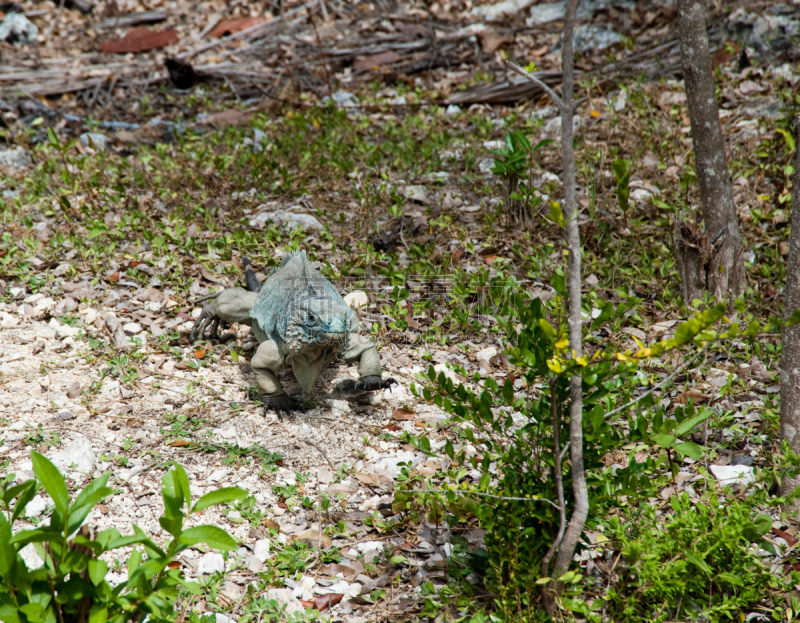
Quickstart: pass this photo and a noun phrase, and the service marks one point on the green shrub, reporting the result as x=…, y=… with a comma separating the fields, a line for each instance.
x=71, y=585
x=699, y=562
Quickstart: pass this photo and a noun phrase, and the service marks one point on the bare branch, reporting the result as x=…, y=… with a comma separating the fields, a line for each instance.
x=661, y=384
x=532, y=77
x=483, y=495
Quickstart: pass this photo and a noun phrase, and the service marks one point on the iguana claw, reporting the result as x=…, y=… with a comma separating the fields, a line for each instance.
x=205, y=320
x=374, y=382
x=281, y=403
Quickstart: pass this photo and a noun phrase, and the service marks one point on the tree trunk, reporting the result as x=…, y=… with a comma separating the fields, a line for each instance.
x=723, y=268
x=576, y=523
x=790, y=336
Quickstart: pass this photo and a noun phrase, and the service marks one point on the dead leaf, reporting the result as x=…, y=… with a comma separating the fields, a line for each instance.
x=228, y=117
x=269, y=523
x=200, y=353
x=232, y=26
x=403, y=414
x=374, y=480
x=333, y=569
x=693, y=394
x=376, y=61
x=175, y=564
x=113, y=277
x=180, y=443
x=102, y=508
x=790, y=540
x=140, y=40
x=729, y=51
x=491, y=40
x=314, y=538
x=323, y=602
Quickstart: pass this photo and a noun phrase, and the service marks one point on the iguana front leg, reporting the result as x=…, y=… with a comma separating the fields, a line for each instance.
x=266, y=363
x=230, y=305
x=369, y=364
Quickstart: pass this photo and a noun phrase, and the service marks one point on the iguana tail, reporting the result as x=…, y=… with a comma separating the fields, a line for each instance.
x=253, y=284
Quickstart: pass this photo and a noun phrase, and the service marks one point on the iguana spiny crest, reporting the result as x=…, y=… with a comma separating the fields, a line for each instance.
x=300, y=310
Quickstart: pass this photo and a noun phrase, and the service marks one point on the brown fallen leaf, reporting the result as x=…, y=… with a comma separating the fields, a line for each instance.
x=332, y=569
x=175, y=564
x=228, y=117
x=180, y=443
x=790, y=540
x=491, y=40
x=140, y=40
x=323, y=602
x=232, y=26
x=102, y=508
x=314, y=538
x=694, y=394
x=729, y=51
x=403, y=414
x=113, y=277
x=374, y=480
x=200, y=353
x=269, y=523
x=375, y=61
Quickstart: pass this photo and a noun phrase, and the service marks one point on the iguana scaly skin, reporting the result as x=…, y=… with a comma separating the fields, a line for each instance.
x=301, y=322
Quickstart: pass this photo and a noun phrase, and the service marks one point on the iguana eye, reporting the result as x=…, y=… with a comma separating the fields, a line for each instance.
x=311, y=317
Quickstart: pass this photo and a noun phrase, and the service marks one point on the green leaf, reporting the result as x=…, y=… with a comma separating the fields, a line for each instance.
x=729, y=578
x=52, y=481
x=31, y=486
x=663, y=440
x=53, y=138
x=23, y=537
x=763, y=523
x=701, y=564
x=134, y=560
x=8, y=554
x=690, y=449
x=688, y=424
x=220, y=496
x=33, y=612
x=97, y=570
x=789, y=139
x=98, y=614
x=210, y=535
x=174, y=487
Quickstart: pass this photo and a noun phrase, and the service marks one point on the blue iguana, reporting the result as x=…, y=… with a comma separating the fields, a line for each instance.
x=301, y=322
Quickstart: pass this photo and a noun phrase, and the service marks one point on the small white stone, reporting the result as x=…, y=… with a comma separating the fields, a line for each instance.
x=90, y=314
x=285, y=596
x=357, y=299
x=485, y=354
x=134, y=328
x=31, y=557
x=261, y=549
x=218, y=475
x=63, y=330
x=36, y=506
x=8, y=321
x=77, y=456
x=211, y=562
x=732, y=474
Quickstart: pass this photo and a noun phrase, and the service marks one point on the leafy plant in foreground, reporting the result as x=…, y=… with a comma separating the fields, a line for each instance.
x=71, y=585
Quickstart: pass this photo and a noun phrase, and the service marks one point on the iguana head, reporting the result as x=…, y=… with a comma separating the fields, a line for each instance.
x=317, y=322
